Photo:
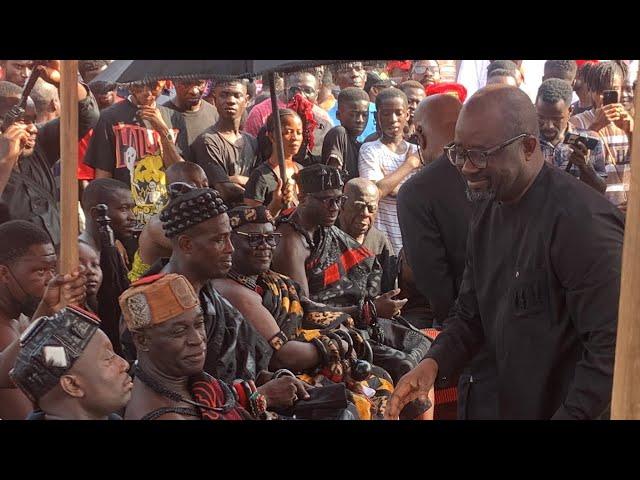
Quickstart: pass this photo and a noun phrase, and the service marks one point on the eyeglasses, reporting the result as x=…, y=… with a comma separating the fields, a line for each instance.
x=338, y=201
x=478, y=158
x=257, y=239
x=304, y=89
x=421, y=69
x=372, y=207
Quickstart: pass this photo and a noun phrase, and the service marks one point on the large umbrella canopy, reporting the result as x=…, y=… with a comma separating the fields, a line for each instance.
x=129, y=71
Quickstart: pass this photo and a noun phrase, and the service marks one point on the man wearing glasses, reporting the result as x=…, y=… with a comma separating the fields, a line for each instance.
x=427, y=72
x=542, y=278
x=356, y=219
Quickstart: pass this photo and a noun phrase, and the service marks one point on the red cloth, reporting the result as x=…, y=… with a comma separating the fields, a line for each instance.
x=448, y=87
x=304, y=108
x=85, y=172
x=582, y=62
x=207, y=390
x=404, y=65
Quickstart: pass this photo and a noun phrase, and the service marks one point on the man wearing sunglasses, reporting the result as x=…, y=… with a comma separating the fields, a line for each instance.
x=542, y=277
x=334, y=269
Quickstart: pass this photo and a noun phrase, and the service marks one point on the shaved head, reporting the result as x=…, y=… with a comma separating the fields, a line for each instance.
x=508, y=111
x=359, y=211
x=186, y=172
x=360, y=186
x=435, y=121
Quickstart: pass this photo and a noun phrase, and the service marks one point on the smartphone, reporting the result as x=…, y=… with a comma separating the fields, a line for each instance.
x=609, y=97
x=573, y=138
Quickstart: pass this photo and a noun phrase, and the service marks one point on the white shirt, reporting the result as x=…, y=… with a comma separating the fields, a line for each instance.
x=375, y=162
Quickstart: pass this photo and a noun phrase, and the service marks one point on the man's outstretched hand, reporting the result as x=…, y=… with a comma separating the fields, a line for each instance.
x=415, y=384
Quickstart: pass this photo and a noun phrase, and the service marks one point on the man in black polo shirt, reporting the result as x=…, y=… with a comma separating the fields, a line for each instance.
x=542, y=278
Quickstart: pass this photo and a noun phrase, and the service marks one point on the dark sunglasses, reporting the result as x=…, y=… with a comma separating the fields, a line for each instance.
x=256, y=239
x=338, y=201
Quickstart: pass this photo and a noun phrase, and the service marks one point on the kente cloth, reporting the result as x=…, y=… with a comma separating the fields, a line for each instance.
x=235, y=350
x=155, y=299
x=302, y=320
x=339, y=270
x=137, y=268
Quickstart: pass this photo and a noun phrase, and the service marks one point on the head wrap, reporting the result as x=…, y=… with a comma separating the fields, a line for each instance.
x=404, y=65
x=156, y=299
x=318, y=178
x=580, y=63
x=189, y=206
x=50, y=347
x=450, y=88
x=242, y=215
x=304, y=108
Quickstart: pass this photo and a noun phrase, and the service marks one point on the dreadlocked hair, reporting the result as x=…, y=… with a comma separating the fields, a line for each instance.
x=585, y=70
x=189, y=206
x=602, y=76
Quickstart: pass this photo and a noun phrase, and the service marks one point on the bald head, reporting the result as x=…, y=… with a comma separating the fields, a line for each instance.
x=436, y=116
x=360, y=186
x=359, y=211
x=503, y=109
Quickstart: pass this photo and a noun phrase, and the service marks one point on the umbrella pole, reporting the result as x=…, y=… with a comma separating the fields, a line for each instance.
x=625, y=402
x=69, y=164
x=278, y=132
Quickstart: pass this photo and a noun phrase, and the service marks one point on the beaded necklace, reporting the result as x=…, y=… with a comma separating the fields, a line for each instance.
x=243, y=280
x=230, y=401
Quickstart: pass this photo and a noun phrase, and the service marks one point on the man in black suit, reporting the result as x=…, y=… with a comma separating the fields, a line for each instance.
x=434, y=214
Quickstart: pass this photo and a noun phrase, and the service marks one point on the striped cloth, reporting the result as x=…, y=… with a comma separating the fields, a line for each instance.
x=446, y=399
x=375, y=162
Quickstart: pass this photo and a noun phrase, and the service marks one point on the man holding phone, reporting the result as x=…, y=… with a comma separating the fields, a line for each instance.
x=564, y=145
x=614, y=125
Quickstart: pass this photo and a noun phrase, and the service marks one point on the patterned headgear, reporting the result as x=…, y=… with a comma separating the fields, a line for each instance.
x=50, y=347
x=242, y=215
x=189, y=206
x=318, y=178
x=156, y=299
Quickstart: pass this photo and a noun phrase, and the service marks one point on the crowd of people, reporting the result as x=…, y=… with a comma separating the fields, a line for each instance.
x=443, y=242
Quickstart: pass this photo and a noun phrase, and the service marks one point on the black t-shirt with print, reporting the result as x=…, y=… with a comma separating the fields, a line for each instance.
x=132, y=153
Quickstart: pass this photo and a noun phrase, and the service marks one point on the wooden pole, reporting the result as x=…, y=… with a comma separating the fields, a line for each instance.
x=625, y=402
x=69, y=164
x=278, y=129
